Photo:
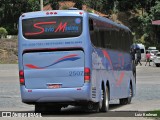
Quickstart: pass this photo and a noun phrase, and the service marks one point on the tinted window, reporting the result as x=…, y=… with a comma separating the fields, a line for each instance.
x=105, y=35
x=158, y=55
x=52, y=27
x=142, y=50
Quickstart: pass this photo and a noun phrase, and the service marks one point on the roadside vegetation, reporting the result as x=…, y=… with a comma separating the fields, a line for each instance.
x=155, y=112
x=3, y=32
x=137, y=15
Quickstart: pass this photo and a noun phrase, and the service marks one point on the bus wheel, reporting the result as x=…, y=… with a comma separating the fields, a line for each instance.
x=157, y=65
x=125, y=101
x=105, y=100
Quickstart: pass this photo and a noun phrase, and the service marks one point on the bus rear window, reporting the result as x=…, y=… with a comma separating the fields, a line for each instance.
x=52, y=27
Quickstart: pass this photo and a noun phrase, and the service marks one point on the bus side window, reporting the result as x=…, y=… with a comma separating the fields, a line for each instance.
x=110, y=39
x=91, y=28
x=124, y=41
x=92, y=33
x=98, y=38
x=113, y=39
x=121, y=36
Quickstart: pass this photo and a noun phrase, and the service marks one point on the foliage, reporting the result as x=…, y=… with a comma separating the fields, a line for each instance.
x=146, y=24
x=3, y=32
x=65, y=7
x=90, y=11
x=104, y=6
x=155, y=11
x=125, y=5
x=78, y=3
x=142, y=13
x=54, y=4
x=156, y=113
x=32, y=5
x=10, y=10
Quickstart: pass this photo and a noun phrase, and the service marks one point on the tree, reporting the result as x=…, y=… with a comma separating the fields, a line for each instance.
x=155, y=11
x=125, y=5
x=155, y=15
x=147, y=27
x=54, y=4
x=10, y=10
x=103, y=6
x=78, y=4
x=108, y=6
x=33, y=5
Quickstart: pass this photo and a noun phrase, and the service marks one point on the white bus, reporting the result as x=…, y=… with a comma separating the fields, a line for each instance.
x=143, y=51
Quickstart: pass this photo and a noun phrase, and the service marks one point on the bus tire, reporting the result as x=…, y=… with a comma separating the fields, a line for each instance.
x=157, y=65
x=128, y=100
x=105, y=100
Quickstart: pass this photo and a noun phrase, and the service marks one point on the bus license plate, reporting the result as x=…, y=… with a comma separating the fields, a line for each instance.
x=54, y=86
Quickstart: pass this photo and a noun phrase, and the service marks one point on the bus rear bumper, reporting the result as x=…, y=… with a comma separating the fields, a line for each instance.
x=55, y=95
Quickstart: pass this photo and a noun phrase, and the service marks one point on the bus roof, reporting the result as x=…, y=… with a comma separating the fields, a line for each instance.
x=52, y=13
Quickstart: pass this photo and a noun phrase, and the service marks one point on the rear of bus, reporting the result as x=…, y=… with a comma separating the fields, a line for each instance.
x=53, y=57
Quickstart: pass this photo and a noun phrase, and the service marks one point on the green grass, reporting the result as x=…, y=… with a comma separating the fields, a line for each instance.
x=153, y=114
x=13, y=62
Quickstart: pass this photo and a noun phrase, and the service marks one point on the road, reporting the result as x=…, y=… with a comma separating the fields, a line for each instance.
x=147, y=94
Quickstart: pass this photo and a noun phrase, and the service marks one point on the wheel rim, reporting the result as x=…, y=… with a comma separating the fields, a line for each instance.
x=102, y=98
x=130, y=94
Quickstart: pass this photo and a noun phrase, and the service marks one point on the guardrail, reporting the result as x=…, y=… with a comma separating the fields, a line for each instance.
x=12, y=36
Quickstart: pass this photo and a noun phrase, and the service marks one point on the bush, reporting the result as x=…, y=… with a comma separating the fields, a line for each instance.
x=90, y=11
x=65, y=7
x=3, y=32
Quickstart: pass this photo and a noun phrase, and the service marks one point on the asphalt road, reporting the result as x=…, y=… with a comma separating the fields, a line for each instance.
x=147, y=97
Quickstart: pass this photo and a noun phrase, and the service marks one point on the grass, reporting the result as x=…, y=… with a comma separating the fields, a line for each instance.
x=153, y=114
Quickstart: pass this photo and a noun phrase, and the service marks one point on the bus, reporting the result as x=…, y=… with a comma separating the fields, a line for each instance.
x=143, y=51
x=72, y=57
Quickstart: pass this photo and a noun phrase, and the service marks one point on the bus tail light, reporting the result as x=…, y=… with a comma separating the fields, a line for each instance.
x=21, y=77
x=80, y=13
x=51, y=13
x=86, y=74
x=55, y=13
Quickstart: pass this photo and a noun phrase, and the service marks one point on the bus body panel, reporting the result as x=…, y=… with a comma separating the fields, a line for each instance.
x=62, y=95
x=115, y=67
x=44, y=70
